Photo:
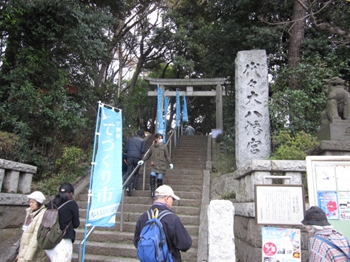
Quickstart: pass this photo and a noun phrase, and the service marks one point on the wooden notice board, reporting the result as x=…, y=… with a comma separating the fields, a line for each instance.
x=328, y=179
x=277, y=204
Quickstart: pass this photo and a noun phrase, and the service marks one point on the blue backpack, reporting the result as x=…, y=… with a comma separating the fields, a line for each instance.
x=152, y=246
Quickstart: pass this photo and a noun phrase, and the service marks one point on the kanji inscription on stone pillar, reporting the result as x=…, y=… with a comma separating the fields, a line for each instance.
x=252, y=122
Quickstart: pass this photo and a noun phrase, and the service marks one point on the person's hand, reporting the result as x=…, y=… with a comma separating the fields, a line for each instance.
x=140, y=163
x=171, y=166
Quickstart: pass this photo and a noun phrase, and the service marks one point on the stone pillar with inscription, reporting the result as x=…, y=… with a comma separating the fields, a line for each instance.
x=252, y=122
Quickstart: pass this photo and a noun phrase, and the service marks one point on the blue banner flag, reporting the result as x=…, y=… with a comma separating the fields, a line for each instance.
x=106, y=177
x=184, y=110
x=161, y=128
x=177, y=108
x=166, y=105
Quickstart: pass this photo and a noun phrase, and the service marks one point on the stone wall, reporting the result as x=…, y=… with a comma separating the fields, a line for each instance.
x=248, y=239
x=15, y=177
x=12, y=214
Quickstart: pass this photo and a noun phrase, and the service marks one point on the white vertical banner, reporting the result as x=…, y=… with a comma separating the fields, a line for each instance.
x=106, y=178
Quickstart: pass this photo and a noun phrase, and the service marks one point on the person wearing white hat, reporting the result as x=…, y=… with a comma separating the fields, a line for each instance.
x=29, y=250
x=176, y=234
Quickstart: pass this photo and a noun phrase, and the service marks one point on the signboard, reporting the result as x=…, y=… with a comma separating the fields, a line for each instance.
x=328, y=179
x=279, y=204
x=280, y=244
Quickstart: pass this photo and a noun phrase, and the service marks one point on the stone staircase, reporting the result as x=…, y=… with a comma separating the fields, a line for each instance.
x=186, y=179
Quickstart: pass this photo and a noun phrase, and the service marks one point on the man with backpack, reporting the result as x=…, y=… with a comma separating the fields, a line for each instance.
x=325, y=244
x=177, y=237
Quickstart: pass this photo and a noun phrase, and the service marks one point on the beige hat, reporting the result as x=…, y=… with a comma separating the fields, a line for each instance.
x=37, y=196
x=165, y=190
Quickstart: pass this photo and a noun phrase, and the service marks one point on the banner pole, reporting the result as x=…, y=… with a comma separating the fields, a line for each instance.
x=82, y=249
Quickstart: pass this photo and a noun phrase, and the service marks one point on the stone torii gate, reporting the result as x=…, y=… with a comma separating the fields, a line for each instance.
x=187, y=88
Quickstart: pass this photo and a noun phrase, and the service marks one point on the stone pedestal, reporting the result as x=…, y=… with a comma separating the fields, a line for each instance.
x=335, y=148
x=335, y=139
x=335, y=132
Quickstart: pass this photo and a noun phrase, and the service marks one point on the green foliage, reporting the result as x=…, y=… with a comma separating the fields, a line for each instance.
x=50, y=185
x=138, y=109
x=70, y=158
x=52, y=47
x=13, y=148
x=289, y=147
x=226, y=162
x=229, y=123
x=300, y=109
x=229, y=195
x=71, y=166
x=219, y=138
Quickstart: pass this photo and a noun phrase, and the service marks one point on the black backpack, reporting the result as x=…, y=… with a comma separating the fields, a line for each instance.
x=49, y=232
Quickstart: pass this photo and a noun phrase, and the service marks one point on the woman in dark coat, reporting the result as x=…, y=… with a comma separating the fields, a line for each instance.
x=159, y=158
x=68, y=216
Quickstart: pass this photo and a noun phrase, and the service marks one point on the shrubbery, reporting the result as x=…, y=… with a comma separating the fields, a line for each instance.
x=288, y=147
x=13, y=148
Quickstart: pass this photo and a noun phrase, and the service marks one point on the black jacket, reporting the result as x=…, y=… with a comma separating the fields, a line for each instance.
x=135, y=147
x=176, y=234
x=69, y=212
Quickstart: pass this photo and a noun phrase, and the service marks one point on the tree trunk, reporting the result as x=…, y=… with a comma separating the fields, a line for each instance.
x=296, y=37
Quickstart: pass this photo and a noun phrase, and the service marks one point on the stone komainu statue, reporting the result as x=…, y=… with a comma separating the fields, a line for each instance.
x=338, y=102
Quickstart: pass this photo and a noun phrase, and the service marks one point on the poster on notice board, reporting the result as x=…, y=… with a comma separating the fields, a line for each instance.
x=280, y=244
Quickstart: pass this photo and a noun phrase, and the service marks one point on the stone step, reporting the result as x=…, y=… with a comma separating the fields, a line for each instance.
x=188, y=154
x=140, y=208
x=179, y=210
x=144, y=196
x=186, y=179
x=183, y=173
x=174, y=180
x=194, y=148
x=191, y=190
x=133, y=217
x=114, y=236
x=130, y=227
x=125, y=251
x=178, y=189
x=100, y=258
x=194, y=163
